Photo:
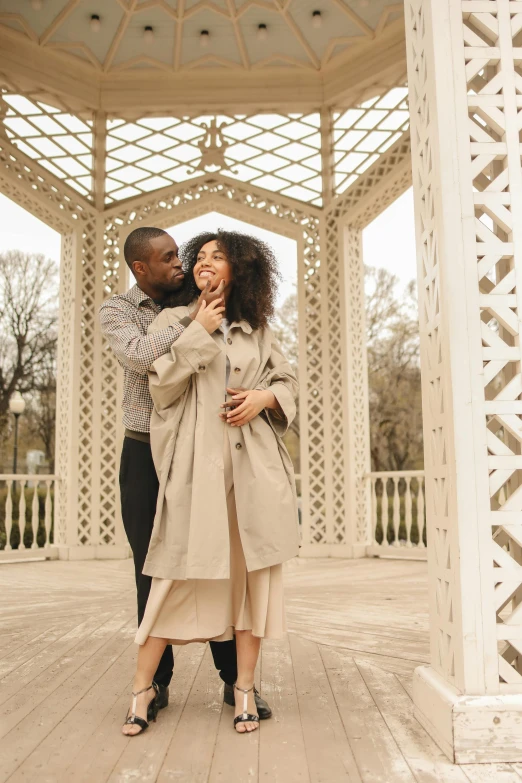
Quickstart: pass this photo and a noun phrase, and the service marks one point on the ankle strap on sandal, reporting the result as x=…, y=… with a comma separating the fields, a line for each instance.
x=245, y=715
x=144, y=690
x=244, y=690
x=133, y=717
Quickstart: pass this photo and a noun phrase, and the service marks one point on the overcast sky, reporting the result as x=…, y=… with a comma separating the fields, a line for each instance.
x=388, y=242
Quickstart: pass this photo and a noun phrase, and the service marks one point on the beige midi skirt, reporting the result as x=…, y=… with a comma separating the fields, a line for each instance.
x=202, y=610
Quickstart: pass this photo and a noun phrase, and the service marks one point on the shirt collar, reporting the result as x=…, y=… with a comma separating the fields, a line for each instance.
x=244, y=325
x=137, y=296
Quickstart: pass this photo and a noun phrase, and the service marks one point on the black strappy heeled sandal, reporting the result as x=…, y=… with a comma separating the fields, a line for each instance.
x=246, y=717
x=152, y=711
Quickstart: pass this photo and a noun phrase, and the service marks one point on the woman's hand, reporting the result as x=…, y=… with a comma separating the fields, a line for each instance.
x=246, y=404
x=210, y=315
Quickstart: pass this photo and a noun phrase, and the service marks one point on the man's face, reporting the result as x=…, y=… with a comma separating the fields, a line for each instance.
x=162, y=271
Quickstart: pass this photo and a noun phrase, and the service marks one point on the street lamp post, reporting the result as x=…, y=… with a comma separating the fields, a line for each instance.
x=17, y=407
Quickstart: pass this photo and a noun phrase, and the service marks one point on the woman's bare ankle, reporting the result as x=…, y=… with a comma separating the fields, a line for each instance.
x=140, y=684
x=245, y=682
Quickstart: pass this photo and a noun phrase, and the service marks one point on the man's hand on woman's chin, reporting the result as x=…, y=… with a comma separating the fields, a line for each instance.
x=208, y=296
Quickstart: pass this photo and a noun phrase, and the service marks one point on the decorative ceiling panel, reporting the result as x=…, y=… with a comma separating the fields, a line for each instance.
x=136, y=47
x=277, y=152
x=220, y=45
x=60, y=141
x=119, y=35
x=337, y=20
x=96, y=45
x=364, y=132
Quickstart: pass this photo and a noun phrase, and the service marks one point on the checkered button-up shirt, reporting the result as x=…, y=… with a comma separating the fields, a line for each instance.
x=125, y=319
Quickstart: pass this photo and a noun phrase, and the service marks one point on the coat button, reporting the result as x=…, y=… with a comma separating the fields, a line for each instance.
x=202, y=367
x=229, y=341
x=238, y=446
x=237, y=369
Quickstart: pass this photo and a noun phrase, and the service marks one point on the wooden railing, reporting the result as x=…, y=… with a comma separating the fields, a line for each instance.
x=398, y=514
x=26, y=516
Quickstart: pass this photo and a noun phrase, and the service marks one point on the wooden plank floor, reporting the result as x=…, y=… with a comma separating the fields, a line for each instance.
x=339, y=684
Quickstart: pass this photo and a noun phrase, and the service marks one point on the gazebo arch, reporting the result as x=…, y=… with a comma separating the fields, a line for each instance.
x=334, y=438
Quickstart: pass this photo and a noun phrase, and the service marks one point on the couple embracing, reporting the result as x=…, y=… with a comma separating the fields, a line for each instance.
x=207, y=487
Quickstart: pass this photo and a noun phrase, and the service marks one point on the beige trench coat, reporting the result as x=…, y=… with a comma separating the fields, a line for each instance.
x=190, y=538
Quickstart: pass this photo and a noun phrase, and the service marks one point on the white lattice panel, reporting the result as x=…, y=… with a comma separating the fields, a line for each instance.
x=64, y=384
x=87, y=420
x=366, y=198
x=361, y=134
x=57, y=139
x=110, y=407
x=382, y=184
x=48, y=198
x=435, y=360
x=281, y=153
x=492, y=38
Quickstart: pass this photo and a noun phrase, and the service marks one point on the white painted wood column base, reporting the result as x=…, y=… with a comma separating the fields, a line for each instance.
x=116, y=552
x=469, y=729
x=333, y=550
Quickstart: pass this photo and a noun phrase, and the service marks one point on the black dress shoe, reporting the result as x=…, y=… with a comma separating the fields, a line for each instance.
x=263, y=710
x=162, y=699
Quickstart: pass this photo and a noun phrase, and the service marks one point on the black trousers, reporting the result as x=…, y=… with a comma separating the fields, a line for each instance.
x=139, y=492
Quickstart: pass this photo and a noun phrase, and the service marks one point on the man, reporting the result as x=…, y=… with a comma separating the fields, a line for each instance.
x=152, y=256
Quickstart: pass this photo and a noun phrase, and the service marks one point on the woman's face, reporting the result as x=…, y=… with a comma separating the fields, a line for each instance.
x=213, y=265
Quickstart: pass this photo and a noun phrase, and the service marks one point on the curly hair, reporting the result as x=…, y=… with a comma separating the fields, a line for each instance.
x=255, y=275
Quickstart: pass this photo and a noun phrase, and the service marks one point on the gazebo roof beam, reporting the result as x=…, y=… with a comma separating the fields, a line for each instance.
x=238, y=33
x=119, y=35
x=66, y=46
x=355, y=18
x=385, y=65
x=57, y=21
x=178, y=43
x=288, y=18
x=205, y=5
x=387, y=12
x=230, y=89
x=19, y=19
x=147, y=4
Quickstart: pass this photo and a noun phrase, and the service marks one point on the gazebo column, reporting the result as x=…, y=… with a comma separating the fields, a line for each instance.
x=87, y=519
x=67, y=536
x=347, y=370
x=465, y=98
x=337, y=439
x=86, y=508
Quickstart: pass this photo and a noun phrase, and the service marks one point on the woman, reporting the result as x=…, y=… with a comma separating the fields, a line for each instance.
x=226, y=518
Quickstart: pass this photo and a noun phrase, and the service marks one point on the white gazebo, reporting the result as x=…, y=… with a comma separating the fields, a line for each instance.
x=292, y=115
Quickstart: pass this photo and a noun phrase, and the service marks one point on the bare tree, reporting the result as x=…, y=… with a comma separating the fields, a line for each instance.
x=393, y=368
x=28, y=325
x=41, y=412
x=394, y=373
